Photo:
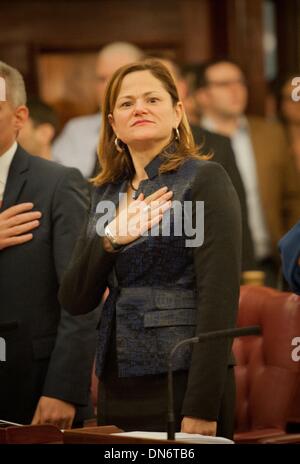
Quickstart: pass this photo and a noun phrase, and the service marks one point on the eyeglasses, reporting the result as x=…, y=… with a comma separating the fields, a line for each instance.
x=227, y=83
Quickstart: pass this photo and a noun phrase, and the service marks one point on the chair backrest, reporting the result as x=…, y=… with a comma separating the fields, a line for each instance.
x=266, y=374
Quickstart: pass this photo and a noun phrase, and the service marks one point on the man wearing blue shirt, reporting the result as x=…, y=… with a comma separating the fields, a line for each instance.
x=289, y=246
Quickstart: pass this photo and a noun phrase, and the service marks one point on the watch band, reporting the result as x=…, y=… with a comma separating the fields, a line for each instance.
x=109, y=235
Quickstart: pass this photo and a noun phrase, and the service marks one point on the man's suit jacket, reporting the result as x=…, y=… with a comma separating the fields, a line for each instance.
x=220, y=147
x=48, y=352
x=278, y=180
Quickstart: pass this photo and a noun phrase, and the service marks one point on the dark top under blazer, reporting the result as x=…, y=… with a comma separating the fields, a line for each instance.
x=163, y=291
x=48, y=351
x=220, y=147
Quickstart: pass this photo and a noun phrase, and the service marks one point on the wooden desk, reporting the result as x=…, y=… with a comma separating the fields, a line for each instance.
x=102, y=435
x=30, y=434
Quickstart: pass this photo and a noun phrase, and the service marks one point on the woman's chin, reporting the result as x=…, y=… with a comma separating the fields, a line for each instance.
x=147, y=139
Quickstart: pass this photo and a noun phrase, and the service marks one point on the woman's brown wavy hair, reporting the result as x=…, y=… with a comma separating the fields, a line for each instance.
x=116, y=165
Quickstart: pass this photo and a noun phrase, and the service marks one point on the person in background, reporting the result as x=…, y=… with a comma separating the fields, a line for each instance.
x=49, y=354
x=289, y=247
x=76, y=146
x=163, y=288
x=289, y=112
x=220, y=148
x=39, y=130
x=270, y=179
x=188, y=73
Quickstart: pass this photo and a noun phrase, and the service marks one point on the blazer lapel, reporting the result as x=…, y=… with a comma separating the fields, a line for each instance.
x=17, y=177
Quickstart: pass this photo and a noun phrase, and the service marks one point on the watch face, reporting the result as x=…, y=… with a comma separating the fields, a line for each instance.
x=116, y=246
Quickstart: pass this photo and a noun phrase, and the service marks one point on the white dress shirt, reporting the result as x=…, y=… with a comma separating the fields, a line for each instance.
x=5, y=162
x=77, y=145
x=245, y=160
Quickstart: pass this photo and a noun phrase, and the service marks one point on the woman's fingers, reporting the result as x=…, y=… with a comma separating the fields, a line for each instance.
x=154, y=205
x=154, y=196
x=141, y=215
x=154, y=217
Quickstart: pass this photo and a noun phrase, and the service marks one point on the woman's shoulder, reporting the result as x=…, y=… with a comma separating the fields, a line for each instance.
x=106, y=189
x=206, y=177
x=199, y=167
x=105, y=192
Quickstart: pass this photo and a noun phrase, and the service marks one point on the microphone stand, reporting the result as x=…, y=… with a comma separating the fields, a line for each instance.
x=227, y=333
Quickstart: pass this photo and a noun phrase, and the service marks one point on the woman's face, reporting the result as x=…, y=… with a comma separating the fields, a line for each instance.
x=144, y=112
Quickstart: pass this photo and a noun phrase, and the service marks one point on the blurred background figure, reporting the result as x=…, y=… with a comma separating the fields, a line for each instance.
x=261, y=153
x=192, y=108
x=219, y=146
x=289, y=112
x=290, y=254
x=39, y=131
x=77, y=144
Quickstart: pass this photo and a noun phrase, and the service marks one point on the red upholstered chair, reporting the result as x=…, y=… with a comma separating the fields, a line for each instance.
x=267, y=377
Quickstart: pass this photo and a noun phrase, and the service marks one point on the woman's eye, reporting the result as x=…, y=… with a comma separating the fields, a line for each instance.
x=153, y=100
x=125, y=104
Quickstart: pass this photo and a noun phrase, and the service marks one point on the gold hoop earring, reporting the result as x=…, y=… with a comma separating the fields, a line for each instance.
x=177, y=134
x=117, y=145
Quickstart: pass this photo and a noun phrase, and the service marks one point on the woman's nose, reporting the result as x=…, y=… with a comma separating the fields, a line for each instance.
x=139, y=107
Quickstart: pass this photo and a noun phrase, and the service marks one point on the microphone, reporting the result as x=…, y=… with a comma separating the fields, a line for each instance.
x=215, y=335
x=4, y=423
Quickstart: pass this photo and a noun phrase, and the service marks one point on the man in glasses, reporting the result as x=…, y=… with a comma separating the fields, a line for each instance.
x=268, y=172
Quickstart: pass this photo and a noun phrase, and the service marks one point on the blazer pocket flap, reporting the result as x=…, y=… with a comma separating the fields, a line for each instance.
x=165, y=299
x=170, y=318
x=43, y=347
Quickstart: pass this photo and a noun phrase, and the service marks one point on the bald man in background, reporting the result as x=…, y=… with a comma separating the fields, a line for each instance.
x=77, y=144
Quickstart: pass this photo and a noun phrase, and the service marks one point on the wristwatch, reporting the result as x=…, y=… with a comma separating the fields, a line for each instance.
x=112, y=240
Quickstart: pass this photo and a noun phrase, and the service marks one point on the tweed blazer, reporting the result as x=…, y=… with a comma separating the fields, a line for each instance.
x=162, y=291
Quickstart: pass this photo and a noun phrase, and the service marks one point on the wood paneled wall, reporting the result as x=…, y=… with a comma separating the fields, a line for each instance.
x=86, y=24
x=192, y=30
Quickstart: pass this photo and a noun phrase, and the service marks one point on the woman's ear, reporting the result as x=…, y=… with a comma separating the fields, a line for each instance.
x=178, y=113
x=111, y=121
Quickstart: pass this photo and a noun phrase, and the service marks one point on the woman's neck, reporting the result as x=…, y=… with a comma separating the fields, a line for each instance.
x=142, y=156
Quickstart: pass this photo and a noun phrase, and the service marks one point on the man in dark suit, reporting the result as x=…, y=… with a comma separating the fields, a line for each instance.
x=49, y=355
x=268, y=172
x=220, y=147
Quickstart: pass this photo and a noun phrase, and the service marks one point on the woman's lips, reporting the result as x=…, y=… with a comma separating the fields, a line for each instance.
x=142, y=121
